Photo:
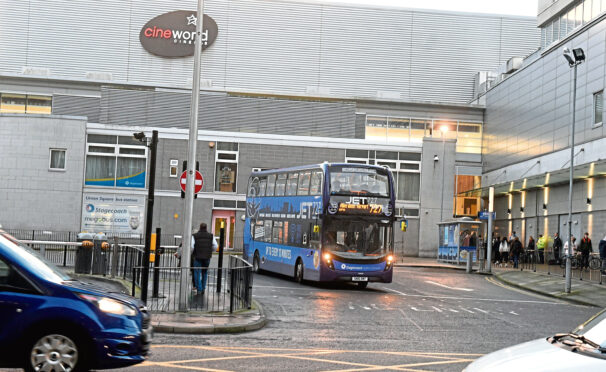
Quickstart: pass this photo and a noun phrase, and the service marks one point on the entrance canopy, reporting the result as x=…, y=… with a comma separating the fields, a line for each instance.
x=547, y=179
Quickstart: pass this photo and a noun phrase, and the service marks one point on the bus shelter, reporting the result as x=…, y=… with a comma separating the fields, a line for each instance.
x=457, y=239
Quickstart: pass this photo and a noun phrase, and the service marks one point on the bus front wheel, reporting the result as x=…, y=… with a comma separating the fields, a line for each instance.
x=256, y=262
x=299, y=271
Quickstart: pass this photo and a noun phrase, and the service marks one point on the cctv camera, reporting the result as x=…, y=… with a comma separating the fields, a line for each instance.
x=568, y=56
x=436, y=158
x=139, y=136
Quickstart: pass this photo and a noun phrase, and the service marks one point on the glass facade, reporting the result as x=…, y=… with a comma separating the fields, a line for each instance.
x=16, y=103
x=397, y=130
x=579, y=13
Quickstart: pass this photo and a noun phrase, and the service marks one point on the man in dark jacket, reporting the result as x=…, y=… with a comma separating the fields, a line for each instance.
x=557, y=247
x=203, y=252
x=602, y=247
x=585, y=249
x=516, y=251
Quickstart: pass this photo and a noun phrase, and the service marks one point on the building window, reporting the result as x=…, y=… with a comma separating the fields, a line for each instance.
x=57, y=159
x=226, y=160
x=173, y=171
x=405, y=167
x=115, y=161
x=598, y=107
x=14, y=103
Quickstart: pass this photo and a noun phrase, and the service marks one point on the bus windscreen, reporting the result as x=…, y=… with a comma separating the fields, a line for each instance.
x=356, y=238
x=358, y=181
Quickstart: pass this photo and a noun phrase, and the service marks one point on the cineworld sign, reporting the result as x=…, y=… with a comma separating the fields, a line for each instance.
x=173, y=34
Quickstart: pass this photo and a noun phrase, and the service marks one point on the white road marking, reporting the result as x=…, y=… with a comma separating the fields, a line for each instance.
x=469, y=311
x=415, y=309
x=513, y=312
x=351, y=306
x=374, y=307
x=475, y=299
x=437, y=309
x=449, y=287
x=480, y=310
x=410, y=320
x=284, y=309
x=366, y=307
x=453, y=310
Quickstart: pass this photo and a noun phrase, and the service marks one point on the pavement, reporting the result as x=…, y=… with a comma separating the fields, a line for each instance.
x=583, y=292
x=190, y=322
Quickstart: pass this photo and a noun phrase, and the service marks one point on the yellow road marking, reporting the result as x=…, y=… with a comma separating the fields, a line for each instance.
x=301, y=354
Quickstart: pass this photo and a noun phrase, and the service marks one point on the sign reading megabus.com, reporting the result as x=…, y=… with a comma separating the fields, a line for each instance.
x=113, y=213
x=173, y=34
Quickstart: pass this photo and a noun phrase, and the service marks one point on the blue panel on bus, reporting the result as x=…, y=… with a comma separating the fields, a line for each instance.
x=358, y=267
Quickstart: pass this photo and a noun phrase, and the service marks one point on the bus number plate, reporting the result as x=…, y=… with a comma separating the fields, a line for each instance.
x=359, y=279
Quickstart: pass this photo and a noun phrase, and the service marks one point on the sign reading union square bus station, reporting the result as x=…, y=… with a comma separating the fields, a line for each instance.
x=173, y=34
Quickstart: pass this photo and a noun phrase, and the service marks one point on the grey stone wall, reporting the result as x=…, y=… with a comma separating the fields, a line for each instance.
x=31, y=195
x=432, y=186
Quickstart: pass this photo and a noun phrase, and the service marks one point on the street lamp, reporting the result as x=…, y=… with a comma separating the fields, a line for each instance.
x=574, y=58
x=153, y=144
x=443, y=130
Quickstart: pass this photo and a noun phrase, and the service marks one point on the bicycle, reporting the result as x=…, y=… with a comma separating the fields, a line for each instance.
x=575, y=261
x=595, y=262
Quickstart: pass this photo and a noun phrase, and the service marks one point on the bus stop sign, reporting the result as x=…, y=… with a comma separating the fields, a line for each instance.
x=198, y=182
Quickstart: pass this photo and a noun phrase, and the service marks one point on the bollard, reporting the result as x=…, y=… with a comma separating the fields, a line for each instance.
x=158, y=256
x=469, y=259
x=220, y=264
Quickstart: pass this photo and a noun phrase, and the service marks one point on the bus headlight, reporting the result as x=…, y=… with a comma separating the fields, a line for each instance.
x=388, y=262
x=328, y=260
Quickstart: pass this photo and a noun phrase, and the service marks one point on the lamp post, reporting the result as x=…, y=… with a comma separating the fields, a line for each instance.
x=574, y=58
x=153, y=144
x=443, y=130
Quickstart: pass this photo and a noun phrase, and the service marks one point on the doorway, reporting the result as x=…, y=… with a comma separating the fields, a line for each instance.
x=229, y=219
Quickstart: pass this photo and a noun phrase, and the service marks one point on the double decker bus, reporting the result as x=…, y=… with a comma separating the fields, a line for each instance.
x=324, y=222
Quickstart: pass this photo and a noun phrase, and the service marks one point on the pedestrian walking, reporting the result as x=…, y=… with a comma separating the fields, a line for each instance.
x=602, y=247
x=530, y=248
x=204, y=245
x=516, y=251
x=573, y=250
x=541, y=244
x=585, y=248
x=557, y=247
x=504, y=251
x=496, y=241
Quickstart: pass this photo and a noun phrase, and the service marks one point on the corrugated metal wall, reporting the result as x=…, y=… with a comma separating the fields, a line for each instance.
x=529, y=114
x=219, y=112
x=271, y=46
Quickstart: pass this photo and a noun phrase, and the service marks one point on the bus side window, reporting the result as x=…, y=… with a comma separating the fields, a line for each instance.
x=280, y=185
x=278, y=233
x=314, y=237
x=291, y=184
x=262, y=185
x=267, y=231
x=258, y=231
x=304, y=183
x=253, y=187
x=316, y=183
x=271, y=183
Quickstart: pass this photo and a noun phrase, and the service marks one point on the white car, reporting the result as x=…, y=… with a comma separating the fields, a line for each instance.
x=584, y=349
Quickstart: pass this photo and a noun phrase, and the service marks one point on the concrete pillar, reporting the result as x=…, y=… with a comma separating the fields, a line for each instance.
x=437, y=158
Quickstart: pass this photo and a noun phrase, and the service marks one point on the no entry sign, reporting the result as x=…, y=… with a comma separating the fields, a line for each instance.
x=198, y=183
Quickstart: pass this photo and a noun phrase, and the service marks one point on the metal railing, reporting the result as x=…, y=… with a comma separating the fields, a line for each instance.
x=530, y=260
x=227, y=289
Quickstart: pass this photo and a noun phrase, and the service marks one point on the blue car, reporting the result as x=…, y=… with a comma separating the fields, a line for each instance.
x=51, y=322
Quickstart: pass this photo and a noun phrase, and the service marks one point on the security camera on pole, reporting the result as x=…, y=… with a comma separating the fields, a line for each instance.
x=191, y=163
x=574, y=58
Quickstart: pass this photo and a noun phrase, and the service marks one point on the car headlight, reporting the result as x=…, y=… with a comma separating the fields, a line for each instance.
x=109, y=305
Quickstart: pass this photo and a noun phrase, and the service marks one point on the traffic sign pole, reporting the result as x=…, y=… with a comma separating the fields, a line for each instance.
x=191, y=157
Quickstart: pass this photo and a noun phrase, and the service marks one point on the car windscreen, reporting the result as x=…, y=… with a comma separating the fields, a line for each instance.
x=31, y=260
x=594, y=329
x=358, y=181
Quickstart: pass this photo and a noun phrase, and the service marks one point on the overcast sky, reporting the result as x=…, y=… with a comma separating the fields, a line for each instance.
x=511, y=7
